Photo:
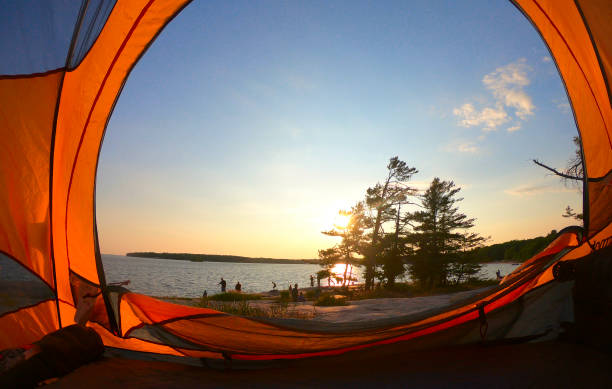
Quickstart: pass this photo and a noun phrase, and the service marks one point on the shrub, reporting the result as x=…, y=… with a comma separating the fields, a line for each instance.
x=234, y=296
x=330, y=300
x=284, y=296
x=244, y=308
x=312, y=294
x=398, y=290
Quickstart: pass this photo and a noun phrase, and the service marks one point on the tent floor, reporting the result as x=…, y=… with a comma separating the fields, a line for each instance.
x=547, y=364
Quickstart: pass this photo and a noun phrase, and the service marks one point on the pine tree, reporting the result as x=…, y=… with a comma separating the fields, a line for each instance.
x=381, y=199
x=440, y=234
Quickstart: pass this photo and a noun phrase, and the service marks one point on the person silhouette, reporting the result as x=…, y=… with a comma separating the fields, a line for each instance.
x=223, y=284
x=294, y=292
x=238, y=287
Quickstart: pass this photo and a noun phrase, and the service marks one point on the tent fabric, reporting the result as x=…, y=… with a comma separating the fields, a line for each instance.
x=52, y=122
x=572, y=31
x=56, y=98
x=20, y=288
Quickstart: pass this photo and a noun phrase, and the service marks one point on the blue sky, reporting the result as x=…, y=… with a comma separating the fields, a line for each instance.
x=247, y=125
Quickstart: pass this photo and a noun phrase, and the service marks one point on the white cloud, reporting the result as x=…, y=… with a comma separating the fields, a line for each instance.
x=506, y=84
x=546, y=59
x=514, y=128
x=490, y=118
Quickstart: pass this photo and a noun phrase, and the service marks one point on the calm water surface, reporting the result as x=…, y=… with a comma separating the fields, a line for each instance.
x=163, y=277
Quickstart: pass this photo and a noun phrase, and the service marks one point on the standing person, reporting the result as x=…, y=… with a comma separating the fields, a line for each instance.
x=223, y=285
x=311, y=281
x=238, y=287
x=205, y=294
x=290, y=290
x=294, y=292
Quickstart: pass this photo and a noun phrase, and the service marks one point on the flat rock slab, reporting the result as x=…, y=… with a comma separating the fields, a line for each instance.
x=372, y=309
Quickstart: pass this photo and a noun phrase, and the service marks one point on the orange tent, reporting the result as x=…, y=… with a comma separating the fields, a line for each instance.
x=52, y=123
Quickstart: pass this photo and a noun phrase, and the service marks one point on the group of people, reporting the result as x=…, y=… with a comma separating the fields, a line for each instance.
x=295, y=294
x=223, y=284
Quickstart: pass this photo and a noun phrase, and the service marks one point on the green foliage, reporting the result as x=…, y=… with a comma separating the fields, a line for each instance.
x=284, y=296
x=244, y=308
x=569, y=213
x=440, y=234
x=463, y=269
x=392, y=254
x=323, y=274
x=234, y=296
x=384, y=201
x=514, y=250
x=329, y=300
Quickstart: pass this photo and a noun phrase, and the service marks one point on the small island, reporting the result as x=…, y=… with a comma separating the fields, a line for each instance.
x=220, y=258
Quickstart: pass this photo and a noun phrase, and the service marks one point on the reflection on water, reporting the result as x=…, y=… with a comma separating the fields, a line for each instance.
x=162, y=277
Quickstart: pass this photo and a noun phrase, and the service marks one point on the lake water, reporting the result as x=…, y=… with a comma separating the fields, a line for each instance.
x=163, y=277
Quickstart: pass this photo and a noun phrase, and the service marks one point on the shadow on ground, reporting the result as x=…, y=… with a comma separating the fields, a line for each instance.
x=532, y=365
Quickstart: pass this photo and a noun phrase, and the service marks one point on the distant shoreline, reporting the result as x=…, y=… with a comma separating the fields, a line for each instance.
x=220, y=258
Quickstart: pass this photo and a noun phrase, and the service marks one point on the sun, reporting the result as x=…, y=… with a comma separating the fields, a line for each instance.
x=341, y=220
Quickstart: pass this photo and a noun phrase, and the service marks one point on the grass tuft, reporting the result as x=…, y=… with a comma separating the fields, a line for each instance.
x=234, y=296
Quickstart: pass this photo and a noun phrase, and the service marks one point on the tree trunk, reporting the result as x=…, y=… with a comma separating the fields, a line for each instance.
x=344, y=276
x=372, y=255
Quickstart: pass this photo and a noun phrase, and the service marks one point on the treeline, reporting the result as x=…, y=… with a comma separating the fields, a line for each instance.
x=514, y=250
x=218, y=258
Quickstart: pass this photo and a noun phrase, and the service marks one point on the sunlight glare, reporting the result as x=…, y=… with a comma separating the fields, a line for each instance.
x=342, y=220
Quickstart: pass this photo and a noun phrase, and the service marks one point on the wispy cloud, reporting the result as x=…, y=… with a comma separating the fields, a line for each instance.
x=563, y=105
x=546, y=59
x=531, y=190
x=462, y=147
x=507, y=85
x=467, y=147
x=514, y=128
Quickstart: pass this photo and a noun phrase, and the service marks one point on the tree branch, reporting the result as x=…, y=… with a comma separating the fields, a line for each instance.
x=555, y=171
